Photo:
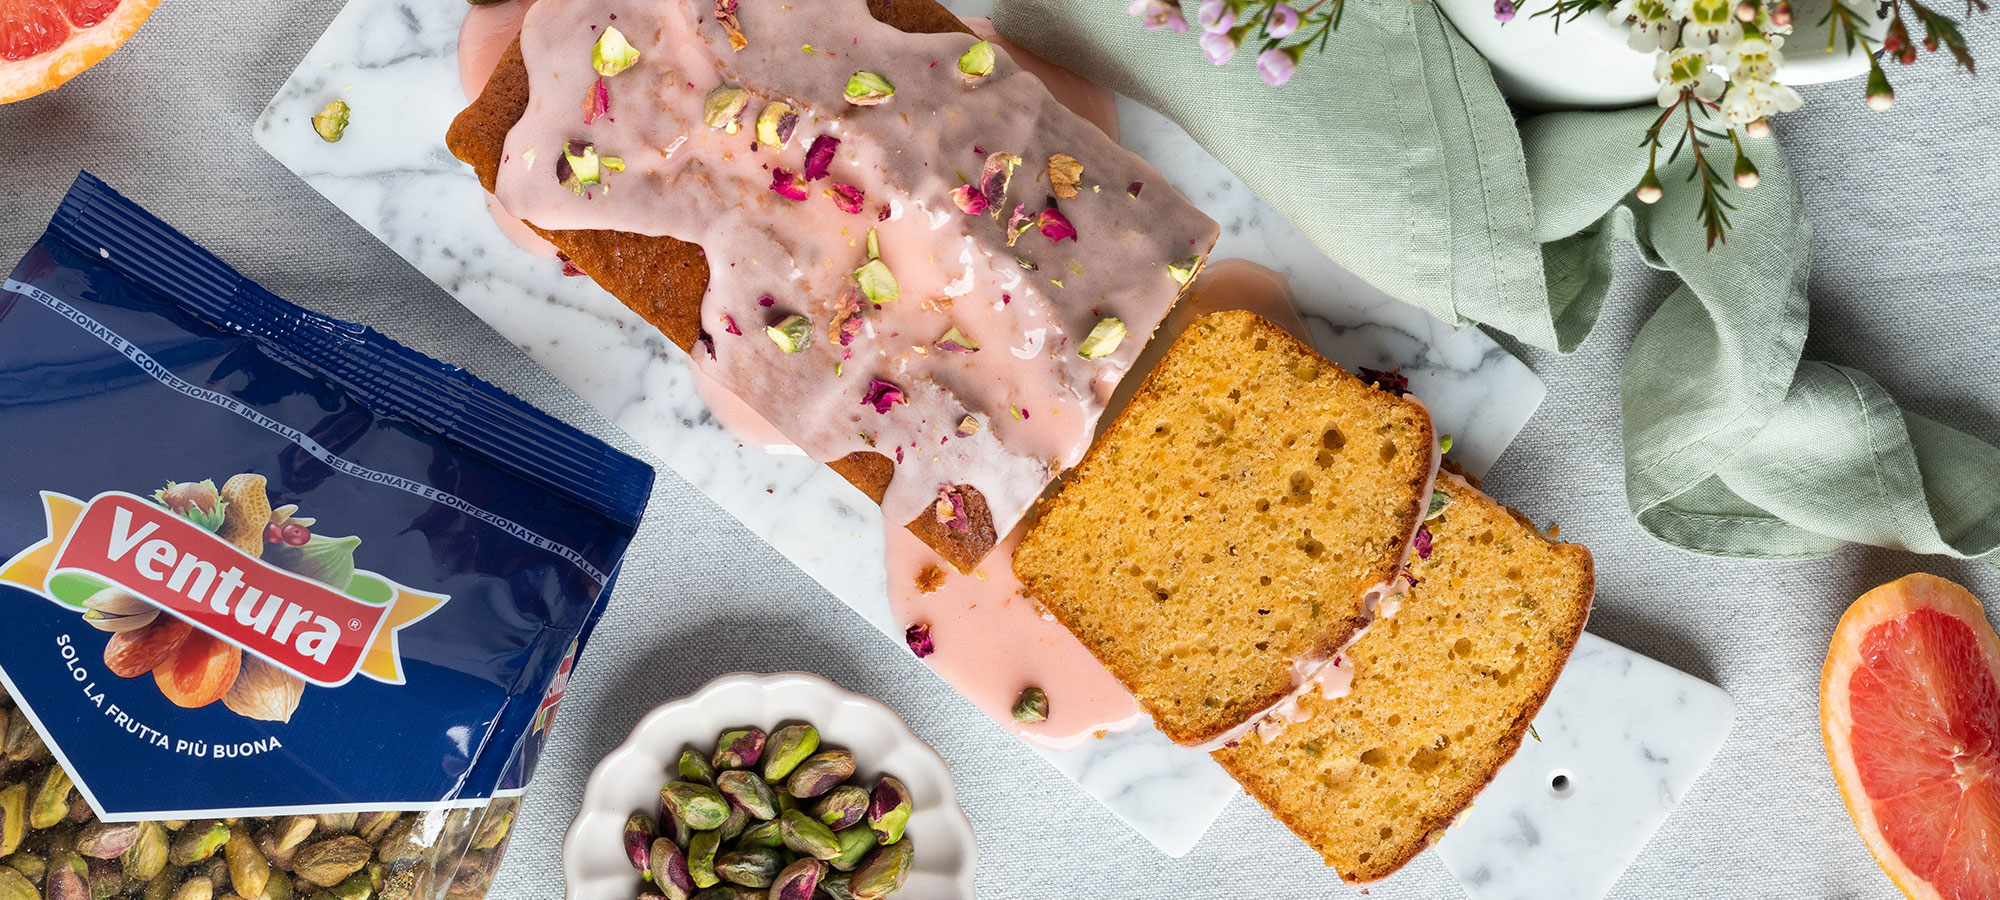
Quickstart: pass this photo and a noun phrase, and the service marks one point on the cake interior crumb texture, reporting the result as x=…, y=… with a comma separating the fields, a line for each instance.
x=1227, y=524
x=1443, y=692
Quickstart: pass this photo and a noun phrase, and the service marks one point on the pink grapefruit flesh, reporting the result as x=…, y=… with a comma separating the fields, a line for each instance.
x=1910, y=712
x=44, y=43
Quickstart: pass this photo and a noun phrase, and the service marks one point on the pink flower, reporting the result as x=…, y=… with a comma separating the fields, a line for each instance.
x=1283, y=23
x=1215, y=15
x=1503, y=10
x=1160, y=14
x=788, y=184
x=1218, y=46
x=1278, y=64
x=819, y=157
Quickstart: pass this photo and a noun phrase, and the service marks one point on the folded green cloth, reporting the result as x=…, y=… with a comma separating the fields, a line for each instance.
x=1396, y=155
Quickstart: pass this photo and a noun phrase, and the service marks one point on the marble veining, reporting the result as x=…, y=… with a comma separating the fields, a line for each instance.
x=394, y=62
x=1620, y=740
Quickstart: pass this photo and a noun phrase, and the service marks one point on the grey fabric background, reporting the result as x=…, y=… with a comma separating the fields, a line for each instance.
x=1906, y=212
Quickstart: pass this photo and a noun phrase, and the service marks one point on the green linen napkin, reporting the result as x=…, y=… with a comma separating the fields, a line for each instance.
x=1395, y=153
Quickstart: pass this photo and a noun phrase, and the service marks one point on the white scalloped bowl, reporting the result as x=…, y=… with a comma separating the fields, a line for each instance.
x=628, y=779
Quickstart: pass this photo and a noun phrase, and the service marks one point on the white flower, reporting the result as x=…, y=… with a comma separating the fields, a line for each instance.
x=1711, y=26
x=1753, y=59
x=1684, y=70
x=1747, y=101
x=1653, y=26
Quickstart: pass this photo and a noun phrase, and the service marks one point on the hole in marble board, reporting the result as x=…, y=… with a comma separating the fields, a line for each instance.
x=1561, y=784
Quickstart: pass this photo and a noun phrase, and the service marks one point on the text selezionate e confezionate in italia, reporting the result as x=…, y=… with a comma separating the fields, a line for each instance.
x=131, y=724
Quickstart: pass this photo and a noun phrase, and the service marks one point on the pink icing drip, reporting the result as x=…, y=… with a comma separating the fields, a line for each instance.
x=992, y=641
x=1035, y=397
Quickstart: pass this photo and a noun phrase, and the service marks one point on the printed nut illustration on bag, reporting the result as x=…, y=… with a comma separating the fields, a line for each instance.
x=123, y=563
x=232, y=666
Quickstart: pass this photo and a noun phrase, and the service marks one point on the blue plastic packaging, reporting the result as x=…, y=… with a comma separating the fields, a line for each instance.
x=259, y=561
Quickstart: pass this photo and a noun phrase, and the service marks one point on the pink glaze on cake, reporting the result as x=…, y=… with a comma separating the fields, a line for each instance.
x=993, y=641
x=1084, y=97
x=482, y=39
x=1034, y=398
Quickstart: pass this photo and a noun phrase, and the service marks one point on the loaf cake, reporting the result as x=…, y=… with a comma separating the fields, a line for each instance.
x=743, y=176
x=1441, y=692
x=1235, y=525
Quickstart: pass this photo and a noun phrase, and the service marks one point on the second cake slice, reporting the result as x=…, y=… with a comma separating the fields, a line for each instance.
x=1212, y=616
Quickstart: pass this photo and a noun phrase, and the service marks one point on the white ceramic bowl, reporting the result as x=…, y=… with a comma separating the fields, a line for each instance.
x=1588, y=65
x=628, y=779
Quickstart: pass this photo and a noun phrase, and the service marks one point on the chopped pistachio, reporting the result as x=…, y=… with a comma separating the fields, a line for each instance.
x=1444, y=445
x=1183, y=269
x=612, y=53
x=792, y=334
x=722, y=105
x=874, y=245
x=967, y=426
x=1103, y=340
x=868, y=89
x=878, y=284
x=776, y=124
x=977, y=61
x=956, y=341
x=330, y=123
x=580, y=166
x=613, y=163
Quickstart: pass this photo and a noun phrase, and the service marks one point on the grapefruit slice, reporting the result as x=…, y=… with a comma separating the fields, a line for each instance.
x=1910, y=711
x=44, y=43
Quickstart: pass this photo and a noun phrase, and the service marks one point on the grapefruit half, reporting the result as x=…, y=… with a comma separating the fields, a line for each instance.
x=44, y=43
x=1910, y=711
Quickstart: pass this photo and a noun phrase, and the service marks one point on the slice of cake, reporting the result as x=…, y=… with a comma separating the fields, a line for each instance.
x=1216, y=547
x=1442, y=691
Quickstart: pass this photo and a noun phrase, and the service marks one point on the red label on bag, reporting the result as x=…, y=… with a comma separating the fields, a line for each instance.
x=306, y=627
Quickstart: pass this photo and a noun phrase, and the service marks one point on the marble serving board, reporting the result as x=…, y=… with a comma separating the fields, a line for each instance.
x=394, y=62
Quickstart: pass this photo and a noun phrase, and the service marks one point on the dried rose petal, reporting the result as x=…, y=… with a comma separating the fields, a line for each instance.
x=1422, y=542
x=970, y=201
x=846, y=324
x=725, y=15
x=1393, y=382
x=1055, y=226
x=956, y=341
x=846, y=196
x=1134, y=188
x=882, y=395
x=765, y=300
x=994, y=178
x=819, y=156
x=918, y=636
x=882, y=213
x=788, y=184
x=951, y=509
x=597, y=104
x=707, y=342
x=1065, y=173
x=569, y=266
x=729, y=325
x=1018, y=224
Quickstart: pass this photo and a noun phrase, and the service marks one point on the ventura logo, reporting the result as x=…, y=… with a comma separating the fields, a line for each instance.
x=303, y=626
